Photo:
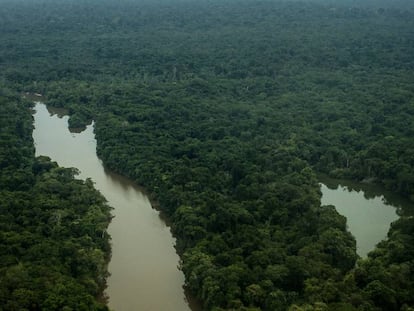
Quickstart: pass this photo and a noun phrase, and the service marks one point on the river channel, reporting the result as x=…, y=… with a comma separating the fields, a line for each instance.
x=369, y=210
x=144, y=264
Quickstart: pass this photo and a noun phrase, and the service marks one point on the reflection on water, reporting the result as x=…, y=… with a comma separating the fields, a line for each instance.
x=368, y=211
x=60, y=112
x=144, y=274
x=371, y=191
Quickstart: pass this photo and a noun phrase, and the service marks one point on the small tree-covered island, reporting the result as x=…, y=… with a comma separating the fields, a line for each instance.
x=225, y=112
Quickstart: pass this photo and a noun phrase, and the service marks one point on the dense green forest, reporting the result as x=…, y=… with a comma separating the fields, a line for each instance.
x=54, y=247
x=225, y=111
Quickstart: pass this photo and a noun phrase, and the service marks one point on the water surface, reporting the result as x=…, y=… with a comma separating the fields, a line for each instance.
x=369, y=214
x=143, y=267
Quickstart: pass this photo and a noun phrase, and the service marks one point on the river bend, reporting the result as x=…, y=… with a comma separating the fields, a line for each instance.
x=143, y=267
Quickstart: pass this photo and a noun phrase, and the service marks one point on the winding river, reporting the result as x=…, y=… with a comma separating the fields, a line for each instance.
x=144, y=264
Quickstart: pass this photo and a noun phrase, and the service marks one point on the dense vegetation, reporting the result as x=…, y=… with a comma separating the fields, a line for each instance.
x=54, y=247
x=225, y=111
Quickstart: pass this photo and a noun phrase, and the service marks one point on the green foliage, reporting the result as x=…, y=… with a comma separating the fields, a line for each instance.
x=54, y=246
x=223, y=110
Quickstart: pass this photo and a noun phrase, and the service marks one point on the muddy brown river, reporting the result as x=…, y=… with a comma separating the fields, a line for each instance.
x=144, y=264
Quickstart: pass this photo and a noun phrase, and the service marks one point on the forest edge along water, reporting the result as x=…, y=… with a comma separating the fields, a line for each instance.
x=360, y=204
x=369, y=209
x=144, y=264
x=225, y=111
x=130, y=288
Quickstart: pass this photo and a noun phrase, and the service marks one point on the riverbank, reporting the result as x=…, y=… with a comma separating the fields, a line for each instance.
x=51, y=257
x=143, y=268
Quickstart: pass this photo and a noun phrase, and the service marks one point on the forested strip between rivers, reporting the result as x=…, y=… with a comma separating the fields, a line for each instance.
x=224, y=112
